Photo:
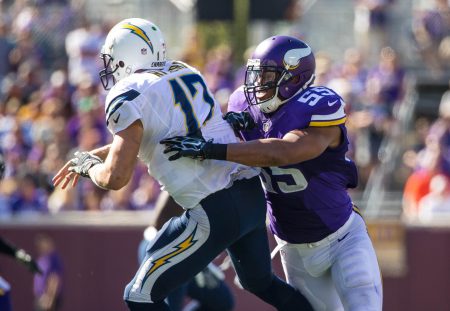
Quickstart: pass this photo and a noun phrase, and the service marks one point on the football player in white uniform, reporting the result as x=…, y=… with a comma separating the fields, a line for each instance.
x=153, y=99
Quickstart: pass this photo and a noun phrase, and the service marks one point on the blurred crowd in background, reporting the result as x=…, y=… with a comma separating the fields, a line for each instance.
x=52, y=102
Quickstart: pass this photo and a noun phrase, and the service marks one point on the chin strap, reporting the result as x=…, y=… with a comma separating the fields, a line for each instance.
x=277, y=102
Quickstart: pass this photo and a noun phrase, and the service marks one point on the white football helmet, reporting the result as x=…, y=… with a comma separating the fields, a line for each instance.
x=132, y=44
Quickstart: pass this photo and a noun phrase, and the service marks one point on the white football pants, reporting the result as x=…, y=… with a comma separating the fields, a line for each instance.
x=337, y=273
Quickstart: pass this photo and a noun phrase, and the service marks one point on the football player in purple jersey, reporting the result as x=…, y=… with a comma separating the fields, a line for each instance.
x=296, y=132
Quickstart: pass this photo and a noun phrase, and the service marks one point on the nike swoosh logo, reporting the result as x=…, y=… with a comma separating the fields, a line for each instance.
x=339, y=240
x=116, y=119
x=332, y=103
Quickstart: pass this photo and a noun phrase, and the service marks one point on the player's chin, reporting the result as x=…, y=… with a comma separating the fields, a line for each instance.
x=263, y=96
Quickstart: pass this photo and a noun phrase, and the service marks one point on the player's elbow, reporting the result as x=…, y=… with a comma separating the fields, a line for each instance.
x=291, y=155
x=115, y=186
x=114, y=179
x=278, y=158
x=116, y=182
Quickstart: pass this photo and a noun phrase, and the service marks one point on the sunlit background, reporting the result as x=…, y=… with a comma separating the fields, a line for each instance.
x=389, y=60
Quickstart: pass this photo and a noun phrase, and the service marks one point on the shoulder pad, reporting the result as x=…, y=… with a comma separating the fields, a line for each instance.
x=325, y=107
x=113, y=103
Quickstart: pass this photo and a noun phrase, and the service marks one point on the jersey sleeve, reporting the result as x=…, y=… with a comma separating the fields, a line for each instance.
x=327, y=110
x=122, y=109
x=237, y=101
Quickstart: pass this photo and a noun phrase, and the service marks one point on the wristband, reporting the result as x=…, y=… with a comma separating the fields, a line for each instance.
x=216, y=151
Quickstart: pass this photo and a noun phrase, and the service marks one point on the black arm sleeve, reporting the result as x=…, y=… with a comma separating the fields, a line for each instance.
x=7, y=248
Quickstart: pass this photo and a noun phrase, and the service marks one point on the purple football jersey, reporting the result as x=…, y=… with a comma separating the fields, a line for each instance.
x=309, y=200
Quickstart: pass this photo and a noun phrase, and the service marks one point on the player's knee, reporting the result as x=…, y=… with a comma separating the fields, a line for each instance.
x=135, y=301
x=359, y=281
x=255, y=285
x=354, y=270
x=364, y=300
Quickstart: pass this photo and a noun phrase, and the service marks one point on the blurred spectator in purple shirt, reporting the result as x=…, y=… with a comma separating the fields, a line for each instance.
x=384, y=91
x=218, y=69
x=6, y=46
x=431, y=30
x=48, y=286
x=386, y=82
x=353, y=70
x=28, y=197
x=371, y=26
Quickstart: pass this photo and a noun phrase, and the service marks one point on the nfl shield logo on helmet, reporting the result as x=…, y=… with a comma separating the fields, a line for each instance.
x=266, y=126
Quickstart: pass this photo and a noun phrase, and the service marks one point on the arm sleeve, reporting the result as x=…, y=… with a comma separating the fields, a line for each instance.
x=7, y=248
x=237, y=101
x=122, y=110
x=328, y=112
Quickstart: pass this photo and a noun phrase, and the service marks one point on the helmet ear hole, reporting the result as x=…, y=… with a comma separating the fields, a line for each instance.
x=121, y=64
x=295, y=79
x=287, y=76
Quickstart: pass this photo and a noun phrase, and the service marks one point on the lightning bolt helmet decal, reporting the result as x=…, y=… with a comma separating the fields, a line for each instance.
x=140, y=33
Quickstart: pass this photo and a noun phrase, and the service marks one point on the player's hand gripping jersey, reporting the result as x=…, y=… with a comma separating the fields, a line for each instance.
x=145, y=96
x=309, y=199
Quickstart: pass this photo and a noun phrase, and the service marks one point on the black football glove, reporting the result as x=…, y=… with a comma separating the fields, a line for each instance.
x=185, y=146
x=82, y=162
x=240, y=121
x=195, y=147
x=24, y=258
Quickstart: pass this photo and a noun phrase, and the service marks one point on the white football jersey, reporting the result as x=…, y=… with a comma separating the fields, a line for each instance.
x=171, y=102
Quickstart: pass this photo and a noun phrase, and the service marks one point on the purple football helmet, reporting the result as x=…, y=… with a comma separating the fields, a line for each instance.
x=280, y=67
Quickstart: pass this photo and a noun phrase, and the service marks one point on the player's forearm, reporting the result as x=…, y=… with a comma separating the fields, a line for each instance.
x=295, y=147
x=105, y=177
x=19, y=254
x=52, y=287
x=268, y=152
x=116, y=170
x=101, y=152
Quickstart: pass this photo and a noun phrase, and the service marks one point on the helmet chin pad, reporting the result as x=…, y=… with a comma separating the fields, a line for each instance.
x=271, y=105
